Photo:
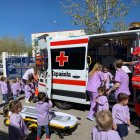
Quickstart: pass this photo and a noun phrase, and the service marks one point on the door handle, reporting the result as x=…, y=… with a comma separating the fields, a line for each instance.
x=76, y=76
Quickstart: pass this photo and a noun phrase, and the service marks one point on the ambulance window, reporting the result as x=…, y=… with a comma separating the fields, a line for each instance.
x=76, y=58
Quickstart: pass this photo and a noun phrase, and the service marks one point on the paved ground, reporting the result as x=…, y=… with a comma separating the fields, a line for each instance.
x=83, y=132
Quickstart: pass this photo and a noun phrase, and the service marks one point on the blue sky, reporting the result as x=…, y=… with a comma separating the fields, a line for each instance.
x=31, y=16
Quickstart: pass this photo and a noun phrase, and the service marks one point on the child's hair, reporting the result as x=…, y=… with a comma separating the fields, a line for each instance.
x=104, y=120
x=17, y=78
x=27, y=82
x=14, y=106
x=105, y=68
x=101, y=89
x=122, y=97
x=96, y=67
x=30, y=77
x=118, y=63
x=41, y=96
x=14, y=80
x=3, y=78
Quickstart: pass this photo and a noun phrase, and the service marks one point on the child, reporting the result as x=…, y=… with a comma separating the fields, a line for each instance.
x=28, y=92
x=32, y=86
x=4, y=89
x=108, y=77
x=15, y=88
x=121, y=115
x=18, y=85
x=102, y=102
x=43, y=105
x=103, y=130
x=22, y=85
x=17, y=127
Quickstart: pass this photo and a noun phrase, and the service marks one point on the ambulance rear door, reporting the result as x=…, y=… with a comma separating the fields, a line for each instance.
x=69, y=69
x=45, y=78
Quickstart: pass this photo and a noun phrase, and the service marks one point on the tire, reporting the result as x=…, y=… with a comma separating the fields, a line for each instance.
x=63, y=105
x=13, y=70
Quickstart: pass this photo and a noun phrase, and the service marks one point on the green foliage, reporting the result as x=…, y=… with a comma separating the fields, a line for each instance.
x=13, y=45
x=95, y=15
x=119, y=26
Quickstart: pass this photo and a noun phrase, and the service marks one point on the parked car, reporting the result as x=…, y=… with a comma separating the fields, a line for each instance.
x=11, y=68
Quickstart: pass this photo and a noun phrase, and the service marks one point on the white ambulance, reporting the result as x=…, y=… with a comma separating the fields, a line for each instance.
x=69, y=60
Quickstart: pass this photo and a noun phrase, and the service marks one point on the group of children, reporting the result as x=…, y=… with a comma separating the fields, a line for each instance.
x=109, y=126
x=17, y=87
x=113, y=125
x=17, y=128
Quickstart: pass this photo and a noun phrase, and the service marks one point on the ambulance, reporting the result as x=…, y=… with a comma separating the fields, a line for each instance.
x=69, y=60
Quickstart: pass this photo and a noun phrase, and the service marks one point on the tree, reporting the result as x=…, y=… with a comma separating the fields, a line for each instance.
x=14, y=45
x=94, y=15
x=119, y=26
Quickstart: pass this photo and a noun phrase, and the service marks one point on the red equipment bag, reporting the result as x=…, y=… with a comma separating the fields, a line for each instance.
x=136, y=77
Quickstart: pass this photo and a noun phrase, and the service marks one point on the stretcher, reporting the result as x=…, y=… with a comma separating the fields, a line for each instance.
x=60, y=123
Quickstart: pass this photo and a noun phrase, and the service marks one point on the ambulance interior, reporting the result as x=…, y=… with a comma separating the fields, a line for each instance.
x=106, y=49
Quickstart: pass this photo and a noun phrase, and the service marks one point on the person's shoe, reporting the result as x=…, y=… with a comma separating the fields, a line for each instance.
x=91, y=118
x=3, y=101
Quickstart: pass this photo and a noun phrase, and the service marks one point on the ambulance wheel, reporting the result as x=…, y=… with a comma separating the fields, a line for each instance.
x=63, y=105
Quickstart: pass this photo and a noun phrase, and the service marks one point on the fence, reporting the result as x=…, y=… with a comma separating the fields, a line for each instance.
x=16, y=66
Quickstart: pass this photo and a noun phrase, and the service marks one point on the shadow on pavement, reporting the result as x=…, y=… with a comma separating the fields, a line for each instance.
x=31, y=136
x=3, y=136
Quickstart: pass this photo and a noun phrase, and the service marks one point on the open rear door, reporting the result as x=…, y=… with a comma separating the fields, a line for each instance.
x=45, y=79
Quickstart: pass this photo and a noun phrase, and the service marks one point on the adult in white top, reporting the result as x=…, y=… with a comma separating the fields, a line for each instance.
x=31, y=71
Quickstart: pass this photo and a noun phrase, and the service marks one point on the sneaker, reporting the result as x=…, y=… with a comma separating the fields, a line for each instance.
x=3, y=101
x=91, y=118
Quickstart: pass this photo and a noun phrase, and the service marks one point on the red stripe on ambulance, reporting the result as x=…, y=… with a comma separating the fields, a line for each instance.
x=69, y=42
x=69, y=82
x=42, y=85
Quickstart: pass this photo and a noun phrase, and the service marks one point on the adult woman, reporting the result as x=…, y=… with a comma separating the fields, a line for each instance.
x=121, y=80
x=96, y=78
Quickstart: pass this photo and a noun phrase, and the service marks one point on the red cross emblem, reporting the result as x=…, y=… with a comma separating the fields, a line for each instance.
x=61, y=59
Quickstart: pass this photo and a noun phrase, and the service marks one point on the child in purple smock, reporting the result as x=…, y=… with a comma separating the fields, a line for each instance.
x=15, y=88
x=32, y=86
x=22, y=85
x=18, y=82
x=95, y=80
x=108, y=77
x=121, y=80
x=4, y=89
x=121, y=115
x=102, y=101
x=43, y=105
x=28, y=92
x=17, y=128
x=103, y=130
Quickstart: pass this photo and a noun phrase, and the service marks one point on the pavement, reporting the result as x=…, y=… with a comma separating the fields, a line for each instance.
x=83, y=131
